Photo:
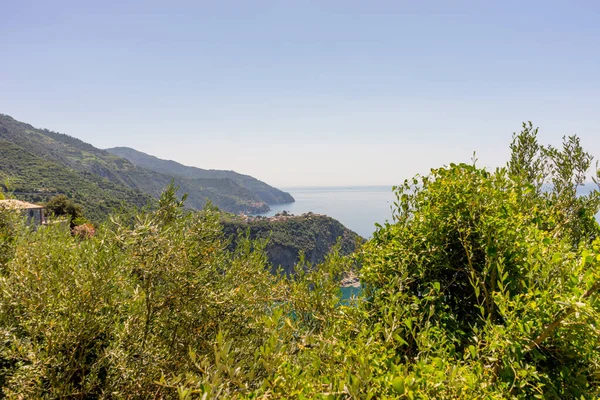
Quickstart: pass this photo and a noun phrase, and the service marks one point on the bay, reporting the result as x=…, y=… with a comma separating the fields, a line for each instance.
x=356, y=207
x=359, y=208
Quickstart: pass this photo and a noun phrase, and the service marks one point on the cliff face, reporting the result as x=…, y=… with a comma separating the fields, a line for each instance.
x=289, y=236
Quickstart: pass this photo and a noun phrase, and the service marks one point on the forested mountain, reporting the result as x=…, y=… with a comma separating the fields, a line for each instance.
x=42, y=163
x=261, y=190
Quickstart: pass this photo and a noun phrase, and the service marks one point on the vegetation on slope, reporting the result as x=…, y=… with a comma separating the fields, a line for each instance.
x=484, y=286
x=35, y=178
x=312, y=236
x=39, y=160
x=260, y=190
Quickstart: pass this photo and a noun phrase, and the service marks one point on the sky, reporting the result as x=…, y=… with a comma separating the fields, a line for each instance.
x=305, y=93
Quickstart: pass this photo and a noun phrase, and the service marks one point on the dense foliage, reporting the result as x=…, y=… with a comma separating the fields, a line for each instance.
x=292, y=236
x=485, y=285
x=37, y=179
x=62, y=206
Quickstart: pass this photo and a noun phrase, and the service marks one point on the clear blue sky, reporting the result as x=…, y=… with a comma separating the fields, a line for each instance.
x=305, y=92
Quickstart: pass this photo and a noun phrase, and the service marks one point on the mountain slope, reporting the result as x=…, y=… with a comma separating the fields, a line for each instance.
x=35, y=178
x=314, y=235
x=43, y=163
x=261, y=190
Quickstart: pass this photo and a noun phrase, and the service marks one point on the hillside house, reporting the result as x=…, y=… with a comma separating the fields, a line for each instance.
x=33, y=212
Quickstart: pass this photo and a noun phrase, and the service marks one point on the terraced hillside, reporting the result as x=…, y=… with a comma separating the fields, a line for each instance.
x=41, y=163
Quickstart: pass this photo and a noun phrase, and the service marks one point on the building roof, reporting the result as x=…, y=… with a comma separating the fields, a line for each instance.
x=13, y=204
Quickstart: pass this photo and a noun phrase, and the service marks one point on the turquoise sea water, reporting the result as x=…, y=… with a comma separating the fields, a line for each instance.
x=357, y=207
x=348, y=292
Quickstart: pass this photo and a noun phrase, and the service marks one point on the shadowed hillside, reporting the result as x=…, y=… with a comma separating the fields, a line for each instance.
x=313, y=235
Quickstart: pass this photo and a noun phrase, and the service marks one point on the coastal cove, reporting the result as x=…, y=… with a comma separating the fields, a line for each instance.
x=356, y=207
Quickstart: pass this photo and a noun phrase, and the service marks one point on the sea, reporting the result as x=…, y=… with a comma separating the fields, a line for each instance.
x=359, y=208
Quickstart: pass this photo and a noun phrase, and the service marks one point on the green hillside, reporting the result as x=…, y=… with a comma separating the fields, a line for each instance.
x=37, y=179
x=259, y=189
x=42, y=163
x=289, y=236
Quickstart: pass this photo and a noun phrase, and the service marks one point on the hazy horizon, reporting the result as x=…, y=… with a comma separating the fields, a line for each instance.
x=305, y=94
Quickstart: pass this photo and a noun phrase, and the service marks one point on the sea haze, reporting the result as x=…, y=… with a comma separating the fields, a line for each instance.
x=357, y=207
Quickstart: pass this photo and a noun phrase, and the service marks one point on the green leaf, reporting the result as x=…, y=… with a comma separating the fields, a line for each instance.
x=472, y=351
x=398, y=384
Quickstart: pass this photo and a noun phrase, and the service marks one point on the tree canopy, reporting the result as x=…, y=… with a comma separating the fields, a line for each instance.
x=484, y=285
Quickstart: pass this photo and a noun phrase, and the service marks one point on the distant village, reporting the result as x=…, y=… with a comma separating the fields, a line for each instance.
x=280, y=216
x=36, y=213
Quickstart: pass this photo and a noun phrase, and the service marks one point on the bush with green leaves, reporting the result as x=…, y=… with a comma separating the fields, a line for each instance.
x=61, y=206
x=492, y=274
x=10, y=224
x=484, y=285
x=114, y=313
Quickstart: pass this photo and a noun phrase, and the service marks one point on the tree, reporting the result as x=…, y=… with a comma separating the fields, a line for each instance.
x=556, y=174
x=495, y=273
x=60, y=205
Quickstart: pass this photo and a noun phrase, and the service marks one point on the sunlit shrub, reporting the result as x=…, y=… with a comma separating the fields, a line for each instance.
x=483, y=286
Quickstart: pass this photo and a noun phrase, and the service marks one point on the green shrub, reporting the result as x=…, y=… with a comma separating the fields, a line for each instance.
x=483, y=286
x=486, y=271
